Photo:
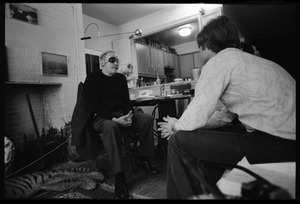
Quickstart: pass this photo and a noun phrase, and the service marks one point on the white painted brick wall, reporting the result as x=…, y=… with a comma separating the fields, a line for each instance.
x=59, y=27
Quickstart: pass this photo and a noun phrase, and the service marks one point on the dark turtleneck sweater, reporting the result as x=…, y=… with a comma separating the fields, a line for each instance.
x=108, y=96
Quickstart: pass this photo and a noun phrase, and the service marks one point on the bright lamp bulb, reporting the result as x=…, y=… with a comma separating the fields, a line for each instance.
x=185, y=30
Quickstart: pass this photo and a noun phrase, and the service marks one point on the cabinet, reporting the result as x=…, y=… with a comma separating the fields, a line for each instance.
x=143, y=59
x=157, y=62
x=197, y=61
x=176, y=66
x=149, y=60
x=186, y=62
x=169, y=59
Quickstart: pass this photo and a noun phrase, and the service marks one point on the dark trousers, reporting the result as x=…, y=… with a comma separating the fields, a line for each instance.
x=191, y=152
x=111, y=134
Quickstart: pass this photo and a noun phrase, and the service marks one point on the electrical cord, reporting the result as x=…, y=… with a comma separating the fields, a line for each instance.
x=8, y=176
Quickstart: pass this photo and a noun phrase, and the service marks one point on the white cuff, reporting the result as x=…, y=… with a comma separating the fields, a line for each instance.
x=174, y=127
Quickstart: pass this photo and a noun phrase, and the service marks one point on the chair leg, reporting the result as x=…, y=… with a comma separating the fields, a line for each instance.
x=131, y=163
x=129, y=153
x=159, y=145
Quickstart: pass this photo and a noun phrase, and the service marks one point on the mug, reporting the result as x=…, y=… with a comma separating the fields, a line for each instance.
x=196, y=74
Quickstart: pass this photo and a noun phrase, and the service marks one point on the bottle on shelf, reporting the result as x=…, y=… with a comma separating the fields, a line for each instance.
x=162, y=89
x=157, y=78
x=142, y=82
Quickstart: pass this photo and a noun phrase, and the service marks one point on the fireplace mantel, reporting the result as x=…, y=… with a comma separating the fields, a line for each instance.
x=33, y=83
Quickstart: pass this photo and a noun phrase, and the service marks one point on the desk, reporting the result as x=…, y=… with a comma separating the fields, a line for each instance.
x=166, y=104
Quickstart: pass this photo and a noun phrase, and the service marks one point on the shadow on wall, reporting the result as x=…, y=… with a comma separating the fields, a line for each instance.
x=282, y=49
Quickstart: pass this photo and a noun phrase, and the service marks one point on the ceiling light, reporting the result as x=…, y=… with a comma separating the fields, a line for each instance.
x=185, y=30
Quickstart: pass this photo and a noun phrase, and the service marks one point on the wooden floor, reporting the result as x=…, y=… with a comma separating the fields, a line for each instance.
x=140, y=184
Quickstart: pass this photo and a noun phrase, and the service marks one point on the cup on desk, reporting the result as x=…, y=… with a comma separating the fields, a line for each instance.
x=132, y=96
x=196, y=74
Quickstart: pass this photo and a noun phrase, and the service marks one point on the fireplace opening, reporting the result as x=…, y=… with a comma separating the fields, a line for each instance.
x=37, y=131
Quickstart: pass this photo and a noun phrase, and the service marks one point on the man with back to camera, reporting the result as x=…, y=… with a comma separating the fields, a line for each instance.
x=260, y=92
x=107, y=94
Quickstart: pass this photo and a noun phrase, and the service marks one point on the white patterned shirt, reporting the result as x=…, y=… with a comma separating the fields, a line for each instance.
x=260, y=91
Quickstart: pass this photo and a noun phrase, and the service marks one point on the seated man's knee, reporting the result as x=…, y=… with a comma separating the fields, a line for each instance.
x=148, y=117
x=144, y=117
x=109, y=124
x=105, y=125
x=137, y=110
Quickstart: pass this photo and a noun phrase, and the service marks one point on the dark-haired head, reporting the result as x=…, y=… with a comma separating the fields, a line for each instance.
x=218, y=34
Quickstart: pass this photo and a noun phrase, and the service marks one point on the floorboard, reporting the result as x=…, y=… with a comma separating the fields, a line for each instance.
x=140, y=183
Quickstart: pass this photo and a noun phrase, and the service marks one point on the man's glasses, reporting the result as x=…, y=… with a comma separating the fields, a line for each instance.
x=113, y=60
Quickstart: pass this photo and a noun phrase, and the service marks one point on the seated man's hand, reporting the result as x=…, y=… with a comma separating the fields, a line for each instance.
x=128, y=116
x=125, y=120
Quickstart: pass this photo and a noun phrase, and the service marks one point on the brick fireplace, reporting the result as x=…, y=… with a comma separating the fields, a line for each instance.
x=52, y=99
x=46, y=106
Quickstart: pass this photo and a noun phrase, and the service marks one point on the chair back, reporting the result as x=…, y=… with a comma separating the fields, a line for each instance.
x=181, y=88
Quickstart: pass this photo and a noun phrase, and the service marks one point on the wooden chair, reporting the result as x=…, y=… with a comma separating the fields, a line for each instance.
x=181, y=88
x=156, y=134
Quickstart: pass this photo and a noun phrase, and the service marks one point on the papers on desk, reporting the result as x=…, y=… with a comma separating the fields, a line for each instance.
x=175, y=96
x=145, y=93
x=145, y=98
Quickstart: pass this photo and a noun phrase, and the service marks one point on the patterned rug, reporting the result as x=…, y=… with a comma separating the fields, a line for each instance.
x=102, y=191
x=79, y=193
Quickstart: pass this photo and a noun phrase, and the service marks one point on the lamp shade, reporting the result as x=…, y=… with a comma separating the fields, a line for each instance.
x=185, y=30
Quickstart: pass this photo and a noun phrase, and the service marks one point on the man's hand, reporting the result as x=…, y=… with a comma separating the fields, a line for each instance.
x=167, y=127
x=128, y=117
x=125, y=120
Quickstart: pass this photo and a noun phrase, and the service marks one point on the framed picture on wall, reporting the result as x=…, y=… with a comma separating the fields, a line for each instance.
x=24, y=13
x=54, y=64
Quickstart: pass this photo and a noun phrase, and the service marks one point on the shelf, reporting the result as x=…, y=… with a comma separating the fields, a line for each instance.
x=157, y=46
x=33, y=83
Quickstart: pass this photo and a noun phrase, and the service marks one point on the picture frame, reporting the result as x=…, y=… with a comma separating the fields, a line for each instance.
x=24, y=13
x=54, y=64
